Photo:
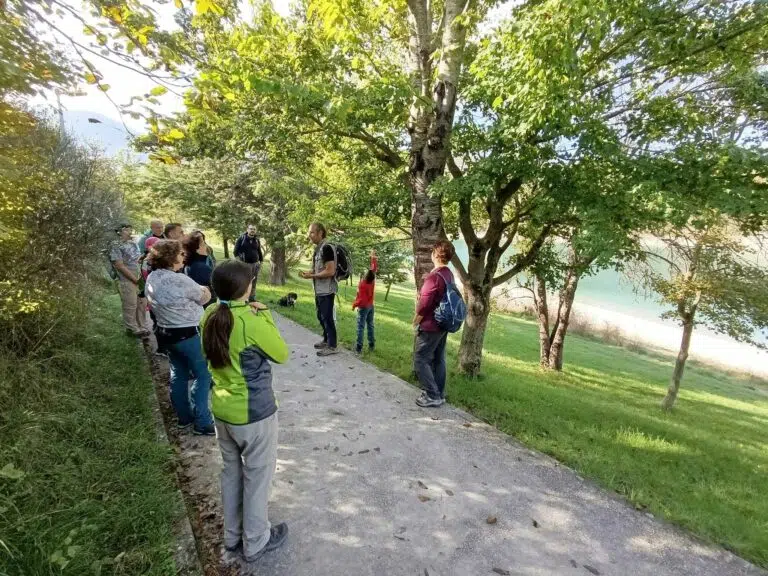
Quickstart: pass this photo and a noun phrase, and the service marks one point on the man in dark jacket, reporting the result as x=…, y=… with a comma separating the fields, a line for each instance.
x=248, y=249
x=429, y=355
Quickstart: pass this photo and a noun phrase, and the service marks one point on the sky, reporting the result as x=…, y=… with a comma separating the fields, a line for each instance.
x=123, y=83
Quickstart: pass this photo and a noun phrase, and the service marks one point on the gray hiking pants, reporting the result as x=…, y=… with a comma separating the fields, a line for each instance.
x=429, y=362
x=249, y=452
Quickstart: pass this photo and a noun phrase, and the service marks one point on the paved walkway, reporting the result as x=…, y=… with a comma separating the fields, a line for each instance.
x=370, y=484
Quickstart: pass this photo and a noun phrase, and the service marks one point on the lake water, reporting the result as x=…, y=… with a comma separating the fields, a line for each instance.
x=608, y=298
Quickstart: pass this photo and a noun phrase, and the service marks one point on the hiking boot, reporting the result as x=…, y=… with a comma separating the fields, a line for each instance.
x=327, y=351
x=277, y=536
x=209, y=430
x=183, y=425
x=321, y=345
x=234, y=549
x=426, y=402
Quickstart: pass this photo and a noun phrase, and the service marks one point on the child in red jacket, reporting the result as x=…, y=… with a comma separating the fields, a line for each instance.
x=364, y=304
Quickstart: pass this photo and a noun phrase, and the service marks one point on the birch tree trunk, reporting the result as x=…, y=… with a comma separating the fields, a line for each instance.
x=430, y=126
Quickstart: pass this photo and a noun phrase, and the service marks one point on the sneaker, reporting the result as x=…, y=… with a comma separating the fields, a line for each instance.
x=358, y=351
x=234, y=549
x=321, y=345
x=426, y=402
x=207, y=431
x=277, y=536
x=183, y=425
x=327, y=351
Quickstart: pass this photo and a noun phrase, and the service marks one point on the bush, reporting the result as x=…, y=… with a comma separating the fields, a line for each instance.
x=58, y=209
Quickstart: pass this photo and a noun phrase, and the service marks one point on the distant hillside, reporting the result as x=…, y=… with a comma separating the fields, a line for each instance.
x=106, y=134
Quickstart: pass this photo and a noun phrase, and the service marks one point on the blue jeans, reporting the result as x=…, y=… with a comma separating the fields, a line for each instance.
x=187, y=357
x=365, y=317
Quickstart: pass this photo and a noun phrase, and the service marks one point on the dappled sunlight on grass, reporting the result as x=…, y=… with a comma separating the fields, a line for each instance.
x=703, y=466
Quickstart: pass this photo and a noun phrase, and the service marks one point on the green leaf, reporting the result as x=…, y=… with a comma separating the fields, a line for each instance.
x=11, y=472
x=158, y=90
x=178, y=4
x=73, y=550
x=104, y=87
x=90, y=77
x=175, y=134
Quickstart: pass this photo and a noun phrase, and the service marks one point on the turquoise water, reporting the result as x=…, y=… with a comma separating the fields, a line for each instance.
x=607, y=289
x=610, y=290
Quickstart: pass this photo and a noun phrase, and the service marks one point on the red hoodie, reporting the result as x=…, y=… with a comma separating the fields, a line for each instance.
x=365, y=289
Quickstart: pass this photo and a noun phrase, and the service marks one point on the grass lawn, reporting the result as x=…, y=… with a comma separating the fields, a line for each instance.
x=85, y=487
x=704, y=466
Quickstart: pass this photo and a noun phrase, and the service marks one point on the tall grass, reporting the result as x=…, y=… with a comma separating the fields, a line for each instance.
x=85, y=487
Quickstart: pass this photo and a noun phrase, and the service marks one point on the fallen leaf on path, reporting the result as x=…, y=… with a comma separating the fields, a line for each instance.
x=364, y=451
x=315, y=448
x=377, y=449
x=422, y=485
x=502, y=571
x=424, y=498
x=592, y=570
x=574, y=563
x=449, y=492
x=467, y=425
x=400, y=534
x=535, y=524
x=491, y=520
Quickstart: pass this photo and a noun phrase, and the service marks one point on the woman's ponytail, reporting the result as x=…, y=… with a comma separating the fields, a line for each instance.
x=231, y=281
x=216, y=336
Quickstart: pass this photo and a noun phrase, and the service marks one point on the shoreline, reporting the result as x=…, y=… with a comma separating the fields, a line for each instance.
x=706, y=347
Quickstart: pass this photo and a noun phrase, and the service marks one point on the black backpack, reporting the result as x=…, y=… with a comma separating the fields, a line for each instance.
x=344, y=266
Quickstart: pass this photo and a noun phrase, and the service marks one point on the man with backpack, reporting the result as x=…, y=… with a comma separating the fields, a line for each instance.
x=248, y=250
x=432, y=331
x=323, y=276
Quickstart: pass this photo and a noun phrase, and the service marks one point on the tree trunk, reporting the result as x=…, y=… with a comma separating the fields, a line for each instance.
x=429, y=127
x=682, y=357
x=542, y=313
x=226, y=246
x=473, y=335
x=389, y=287
x=567, y=295
x=278, y=267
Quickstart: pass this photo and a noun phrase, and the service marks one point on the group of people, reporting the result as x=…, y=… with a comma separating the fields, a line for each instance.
x=215, y=333
x=431, y=338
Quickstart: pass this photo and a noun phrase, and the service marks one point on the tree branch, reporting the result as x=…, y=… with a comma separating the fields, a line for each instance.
x=527, y=259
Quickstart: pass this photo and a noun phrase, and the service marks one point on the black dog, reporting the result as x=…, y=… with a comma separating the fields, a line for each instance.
x=289, y=300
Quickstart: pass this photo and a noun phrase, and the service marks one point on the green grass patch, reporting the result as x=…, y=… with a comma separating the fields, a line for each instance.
x=704, y=466
x=85, y=486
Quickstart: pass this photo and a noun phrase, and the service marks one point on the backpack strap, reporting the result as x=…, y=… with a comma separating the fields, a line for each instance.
x=443, y=278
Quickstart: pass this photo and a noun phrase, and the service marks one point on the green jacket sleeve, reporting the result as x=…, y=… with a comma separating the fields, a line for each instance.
x=261, y=331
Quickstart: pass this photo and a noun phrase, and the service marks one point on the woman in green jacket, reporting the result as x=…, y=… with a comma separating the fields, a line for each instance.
x=240, y=340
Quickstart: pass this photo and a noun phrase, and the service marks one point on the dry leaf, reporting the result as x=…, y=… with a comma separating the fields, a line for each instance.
x=491, y=520
x=535, y=524
x=422, y=485
x=467, y=425
x=424, y=498
x=502, y=571
x=449, y=492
